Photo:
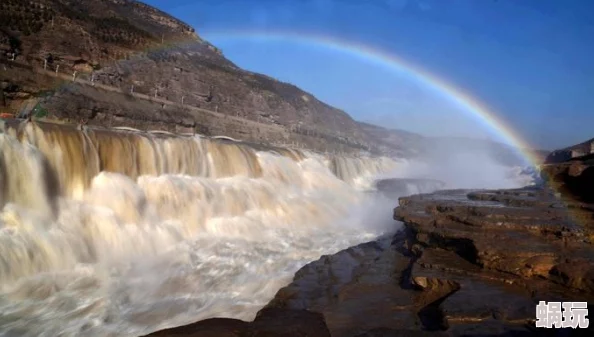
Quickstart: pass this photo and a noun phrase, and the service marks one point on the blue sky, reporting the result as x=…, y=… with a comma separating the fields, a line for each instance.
x=530, y=61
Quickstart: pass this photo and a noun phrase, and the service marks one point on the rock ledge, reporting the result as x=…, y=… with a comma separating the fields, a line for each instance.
x=468, y=263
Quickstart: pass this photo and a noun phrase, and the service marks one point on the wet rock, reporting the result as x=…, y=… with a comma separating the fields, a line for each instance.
x=491, y=327
x=574, y=179
x=575, y=274
x=268, y=322
x=488, y=257
x=293, y=323
x=215, y=327
x=469, y=294
x=536, y=235
x=357, y=290
x=468, y=263
x=577, y=151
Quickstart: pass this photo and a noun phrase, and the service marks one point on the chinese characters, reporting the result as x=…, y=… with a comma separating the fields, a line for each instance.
x=562, y=315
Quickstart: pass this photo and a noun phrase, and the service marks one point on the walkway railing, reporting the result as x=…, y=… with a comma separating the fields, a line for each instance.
x=284, y=130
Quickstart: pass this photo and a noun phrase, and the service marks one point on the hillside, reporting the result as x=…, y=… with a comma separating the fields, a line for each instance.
x=135, y=47
x=136, y=66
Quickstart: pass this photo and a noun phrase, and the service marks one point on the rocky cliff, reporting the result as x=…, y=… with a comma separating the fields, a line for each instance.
x=138, y=49
x=573, y=180
x=577, y=151
x=124, y=63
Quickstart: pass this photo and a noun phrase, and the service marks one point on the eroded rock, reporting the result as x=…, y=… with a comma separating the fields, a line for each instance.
x=468, y=263
x=268, y=322
x=574, y=179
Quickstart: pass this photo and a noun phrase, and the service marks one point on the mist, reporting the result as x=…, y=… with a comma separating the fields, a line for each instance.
x=467, y=164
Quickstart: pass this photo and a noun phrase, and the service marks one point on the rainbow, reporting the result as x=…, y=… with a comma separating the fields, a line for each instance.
x=390, y=61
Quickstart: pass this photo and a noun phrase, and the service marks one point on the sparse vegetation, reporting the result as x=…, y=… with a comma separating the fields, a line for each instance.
x=90, y=35
x=121, y=32
x=29, y=17
x=26, y=17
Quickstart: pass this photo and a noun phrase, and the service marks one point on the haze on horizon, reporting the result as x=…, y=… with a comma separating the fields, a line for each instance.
x=530, y=62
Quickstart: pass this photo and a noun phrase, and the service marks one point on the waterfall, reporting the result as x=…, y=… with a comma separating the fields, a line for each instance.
x=107, y=232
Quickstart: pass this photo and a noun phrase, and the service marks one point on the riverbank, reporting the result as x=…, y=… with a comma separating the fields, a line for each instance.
x=127, y=232
x=468, y=263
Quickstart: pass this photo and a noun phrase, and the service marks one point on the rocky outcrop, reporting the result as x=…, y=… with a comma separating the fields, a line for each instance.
x=469, y=263
x=135, y=50
x=268, y=322
x=502, y=252
x=133, y=47
x=573, y=179
x=527, y=236
x=579, y=151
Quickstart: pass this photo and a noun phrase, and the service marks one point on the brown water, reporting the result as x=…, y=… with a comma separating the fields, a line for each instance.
x=107, y=233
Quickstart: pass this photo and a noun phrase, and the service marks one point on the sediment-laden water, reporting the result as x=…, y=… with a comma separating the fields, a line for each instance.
x=107, y=233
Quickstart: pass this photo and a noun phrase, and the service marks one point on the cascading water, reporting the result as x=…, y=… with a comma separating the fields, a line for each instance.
x=108, y=233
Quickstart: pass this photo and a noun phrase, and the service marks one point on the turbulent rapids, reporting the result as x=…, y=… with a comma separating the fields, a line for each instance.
x=120, y=233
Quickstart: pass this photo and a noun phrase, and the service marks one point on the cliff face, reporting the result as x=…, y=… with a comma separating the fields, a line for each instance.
x=137, y=66
x=570, y=171
x=92, y=32
x=135, y=47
